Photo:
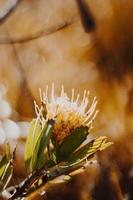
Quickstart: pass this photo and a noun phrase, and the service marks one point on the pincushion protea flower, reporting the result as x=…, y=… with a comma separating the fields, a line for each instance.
x=54, y=144
x=61, y=126
x=67, y=112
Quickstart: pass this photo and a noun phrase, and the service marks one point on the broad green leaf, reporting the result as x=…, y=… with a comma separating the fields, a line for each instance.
x=34, y=132
x=38, y=158
x=98, y=144
x=71, y=143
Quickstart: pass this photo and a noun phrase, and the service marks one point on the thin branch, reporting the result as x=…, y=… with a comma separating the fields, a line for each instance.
x=23, y=188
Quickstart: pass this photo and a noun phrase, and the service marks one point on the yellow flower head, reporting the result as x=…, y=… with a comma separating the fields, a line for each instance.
x=67, y=112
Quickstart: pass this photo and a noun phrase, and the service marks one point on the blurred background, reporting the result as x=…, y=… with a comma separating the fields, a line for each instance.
x=82, y=44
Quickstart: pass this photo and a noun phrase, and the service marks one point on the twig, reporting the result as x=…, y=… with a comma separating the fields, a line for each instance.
x=22, y=189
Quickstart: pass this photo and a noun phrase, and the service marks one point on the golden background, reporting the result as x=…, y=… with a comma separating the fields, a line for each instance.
x=51, y=41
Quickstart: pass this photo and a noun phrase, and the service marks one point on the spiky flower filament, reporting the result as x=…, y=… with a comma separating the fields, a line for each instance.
x=68, y=113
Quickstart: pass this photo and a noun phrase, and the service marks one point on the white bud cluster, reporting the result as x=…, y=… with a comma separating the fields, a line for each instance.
x=8, y=128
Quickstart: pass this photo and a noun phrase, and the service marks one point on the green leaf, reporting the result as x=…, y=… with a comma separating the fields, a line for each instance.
x=5, y=159
x=34, y=132
x=85, y=152
x=6, y=168
x=8, y=153
x=3, y=164
x=71, y=143
x=38, y=158
x=6, y=176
